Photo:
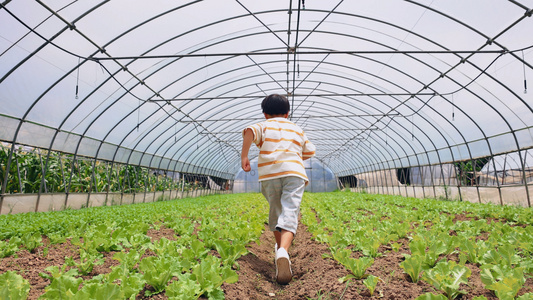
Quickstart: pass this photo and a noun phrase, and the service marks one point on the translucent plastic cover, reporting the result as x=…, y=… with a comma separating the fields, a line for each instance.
x=171, y=84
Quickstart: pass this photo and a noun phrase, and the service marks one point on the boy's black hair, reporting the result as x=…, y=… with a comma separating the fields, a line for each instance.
x=275, y=105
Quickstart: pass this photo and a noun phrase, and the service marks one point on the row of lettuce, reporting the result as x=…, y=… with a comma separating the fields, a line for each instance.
x=182, y=268
x=499, y=240
x=65, y=173
x=211, y=234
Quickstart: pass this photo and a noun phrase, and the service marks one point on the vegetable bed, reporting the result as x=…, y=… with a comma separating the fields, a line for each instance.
x=349, y=246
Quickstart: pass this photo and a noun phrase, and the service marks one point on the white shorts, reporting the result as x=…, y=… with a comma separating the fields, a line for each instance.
x=284, y=196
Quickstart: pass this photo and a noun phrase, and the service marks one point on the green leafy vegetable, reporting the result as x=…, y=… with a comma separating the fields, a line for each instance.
x=447, y=277
x=86, y=263
x=412, y=265
x=356, y=266
x=430, y=296
x=13, y=286
x=370, y=282
x=158, y=271
x=503, y=280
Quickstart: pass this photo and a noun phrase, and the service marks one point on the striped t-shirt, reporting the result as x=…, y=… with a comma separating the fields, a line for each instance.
x=282, y=147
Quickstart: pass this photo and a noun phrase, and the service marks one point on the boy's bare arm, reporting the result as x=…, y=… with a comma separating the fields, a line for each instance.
x=248, y=138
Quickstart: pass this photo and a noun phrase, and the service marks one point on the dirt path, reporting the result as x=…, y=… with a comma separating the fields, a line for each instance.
x=316, y=277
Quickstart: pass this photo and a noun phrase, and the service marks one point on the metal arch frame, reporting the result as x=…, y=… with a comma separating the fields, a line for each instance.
x=466, y=143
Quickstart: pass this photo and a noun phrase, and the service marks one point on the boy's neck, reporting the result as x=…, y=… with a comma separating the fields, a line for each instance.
x=267, y=116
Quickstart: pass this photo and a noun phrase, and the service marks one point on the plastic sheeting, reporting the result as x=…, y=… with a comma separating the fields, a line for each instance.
x=321, y=179
x=169, y=85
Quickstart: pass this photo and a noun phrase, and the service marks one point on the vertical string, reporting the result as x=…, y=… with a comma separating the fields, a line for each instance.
x=298, y=65
x=453, y=108
x=524, y=68
x=78, y=77
x=138, y=115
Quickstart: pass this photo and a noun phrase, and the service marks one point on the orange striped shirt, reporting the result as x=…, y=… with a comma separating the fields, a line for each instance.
x=282, y=147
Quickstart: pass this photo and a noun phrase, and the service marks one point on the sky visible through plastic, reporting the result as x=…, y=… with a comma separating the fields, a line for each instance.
x=170, y=85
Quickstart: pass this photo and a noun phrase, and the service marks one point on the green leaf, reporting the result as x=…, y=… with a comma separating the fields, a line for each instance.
x=100, y=291
x=217, y=294
x=417, y=247
x=157, y=271
x=430, y=296
x=129, y=259
x=503, y=280
x=370, y=282
x=230, y=252
x=528, y=296
x=447, y=277
x=13, y=286
x=184, y=288
x=9, y=248
x=412, y=265
x=86, y=263
x=63, y=287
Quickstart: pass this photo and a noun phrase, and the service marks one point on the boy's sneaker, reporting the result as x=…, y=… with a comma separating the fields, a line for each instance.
x=283, y=267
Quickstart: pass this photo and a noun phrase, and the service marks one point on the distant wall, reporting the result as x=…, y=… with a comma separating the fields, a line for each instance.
x=504, y=195
x=23, y=203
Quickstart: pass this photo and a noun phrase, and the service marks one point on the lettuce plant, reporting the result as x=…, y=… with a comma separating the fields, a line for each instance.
x=447, y=277
x=412, y=265
x=356, y=266
x=86, y=263
x=503, y=280
x=64, y=284
x=431, y=296
x=13, y=286
x=370, y=282
x=157, y=271
x=9, y=248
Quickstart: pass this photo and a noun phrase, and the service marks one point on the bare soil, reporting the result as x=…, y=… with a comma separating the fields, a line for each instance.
x=315, y=277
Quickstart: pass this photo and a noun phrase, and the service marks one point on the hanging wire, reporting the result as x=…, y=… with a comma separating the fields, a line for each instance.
x=139, y=115
x=453, y=108
x=524, y=67
x=78, y=77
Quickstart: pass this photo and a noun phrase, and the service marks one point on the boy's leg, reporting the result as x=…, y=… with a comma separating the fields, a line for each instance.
x=272, y=190
x=284, y=238
x=291, y=197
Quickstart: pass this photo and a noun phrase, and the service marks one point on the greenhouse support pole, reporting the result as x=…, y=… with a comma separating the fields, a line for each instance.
x=123, y=186
x=324, y=176
x=146, y=182
x=182, y=184
x=503, y=175
x=108, y=179
x=6, y=174
x=135, y=185
x=93, y=184
x=43, y=183
x=524, y=178
x=18, y=175
x=156, y=185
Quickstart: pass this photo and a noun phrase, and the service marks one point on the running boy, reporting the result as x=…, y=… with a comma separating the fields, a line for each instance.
x=282, y=148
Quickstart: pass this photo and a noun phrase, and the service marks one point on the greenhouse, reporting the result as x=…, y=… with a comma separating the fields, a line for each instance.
x=108, y=104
